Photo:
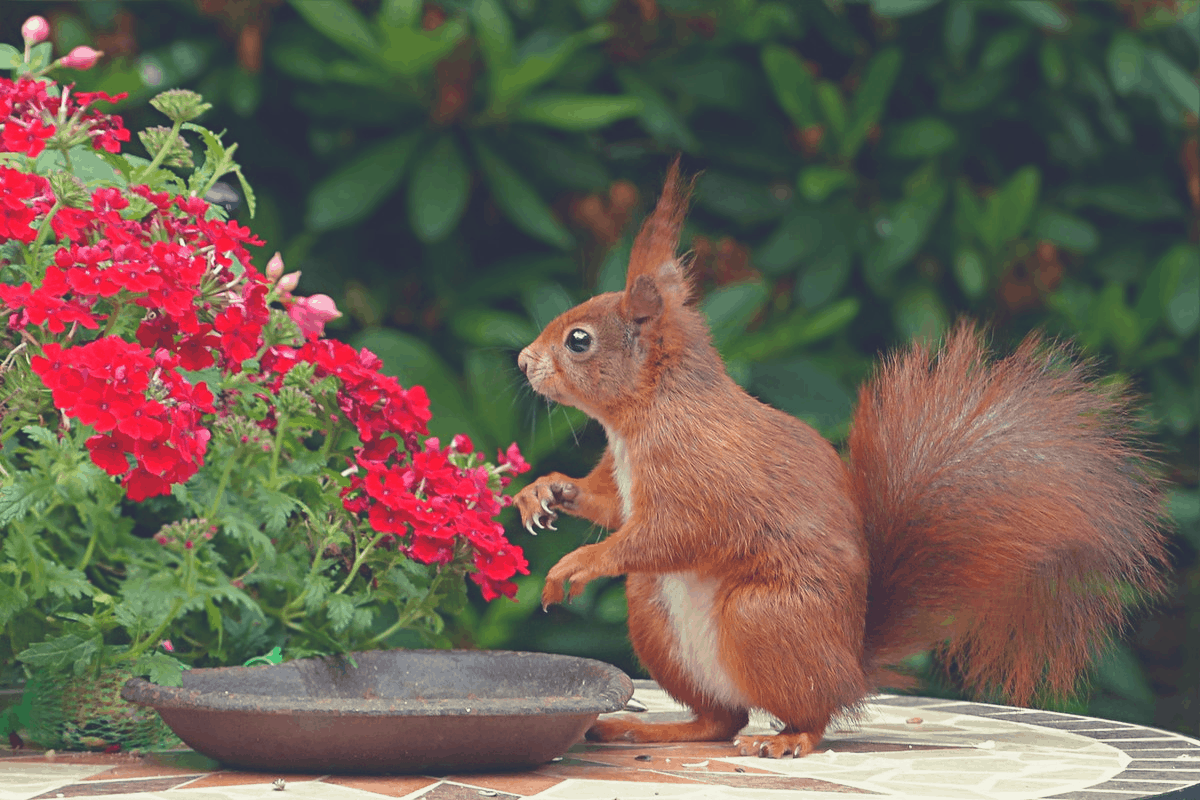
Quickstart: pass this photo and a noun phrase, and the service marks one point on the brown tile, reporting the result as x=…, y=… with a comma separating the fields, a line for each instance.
x=93, y=789
x=517, y=783
x=385, y=785
x=585, y=770
x=231, y=777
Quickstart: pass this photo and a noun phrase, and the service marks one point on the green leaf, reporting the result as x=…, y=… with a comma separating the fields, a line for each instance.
x=1145, y=201
x=70, y=649
x=341, y=610
x=1054, y=63
x=12, y=601
x=438, y=191
x=833, y=107
x=792, y=83
x=1009, y=210
x=1180, y=269
x=920, y=314
x=160, y=668
x=1066, y=230
x=410, y=51
x=901, y=8
x=797, y=236
x=744, y=201
x=15, y=502
x=960, y=29
x=357, y=188
x=487, y=327
x=1114, y=321
x=731, y=308
x=803, y=388
x=340, y=22
x=921, y=138
x=493, y=32
x=10, y=56
x=1002, y=48
x=817, y=183
x=971, y=273
x=64, y=582
x=658, y=117
x=1043, y=14
x=1126, y=60
x=511, y=82
x=1179, y=83
x=902, y=232
x=519, y=201
x=870, y=98
x=577, y=112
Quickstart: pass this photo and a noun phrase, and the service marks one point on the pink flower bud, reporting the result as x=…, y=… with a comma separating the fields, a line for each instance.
x=311, y=313
x=275, y=267
x=82, y=57
x=161, y=538
x=433, y=444
x=189, y=544
x=288, y=282
x=35, y=29
x=166, y=645
x=461, y=443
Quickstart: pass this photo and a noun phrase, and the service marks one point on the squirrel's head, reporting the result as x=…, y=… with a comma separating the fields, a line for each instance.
x=607, y=355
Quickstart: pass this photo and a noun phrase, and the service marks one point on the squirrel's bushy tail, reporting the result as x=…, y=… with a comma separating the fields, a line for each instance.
x=1010, y=512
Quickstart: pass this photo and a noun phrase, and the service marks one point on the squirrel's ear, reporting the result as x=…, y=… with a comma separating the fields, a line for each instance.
x=655, y=248
x=642, y=301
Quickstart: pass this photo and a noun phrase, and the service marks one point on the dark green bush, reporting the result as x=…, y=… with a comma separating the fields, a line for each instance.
x=455, y=174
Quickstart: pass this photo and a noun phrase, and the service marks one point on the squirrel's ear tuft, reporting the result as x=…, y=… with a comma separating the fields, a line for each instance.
x=654, y=249
x=642, y=301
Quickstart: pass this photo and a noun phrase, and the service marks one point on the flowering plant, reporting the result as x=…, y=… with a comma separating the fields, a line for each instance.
x=189, y=471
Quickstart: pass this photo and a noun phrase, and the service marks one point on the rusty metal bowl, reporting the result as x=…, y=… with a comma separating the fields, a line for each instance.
x=389, y=711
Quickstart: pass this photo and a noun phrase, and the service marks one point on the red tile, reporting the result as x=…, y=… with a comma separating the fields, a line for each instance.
x=385, y=785
x=521, y=784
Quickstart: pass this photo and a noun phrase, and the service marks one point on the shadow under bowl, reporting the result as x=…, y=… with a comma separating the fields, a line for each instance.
x=391, y=711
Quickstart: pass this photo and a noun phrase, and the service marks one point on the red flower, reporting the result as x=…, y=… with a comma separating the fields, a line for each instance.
x=108, y=452
x=28, y=138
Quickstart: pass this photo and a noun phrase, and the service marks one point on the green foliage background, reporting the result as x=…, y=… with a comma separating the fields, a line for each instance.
x=456, y=174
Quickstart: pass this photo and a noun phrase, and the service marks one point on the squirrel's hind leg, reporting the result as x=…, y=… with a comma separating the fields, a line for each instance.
x=710, y=725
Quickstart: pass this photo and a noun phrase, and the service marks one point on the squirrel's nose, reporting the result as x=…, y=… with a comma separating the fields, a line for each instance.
x=523, y=362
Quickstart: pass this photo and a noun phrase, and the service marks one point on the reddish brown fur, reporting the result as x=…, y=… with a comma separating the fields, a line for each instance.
x=977, y=491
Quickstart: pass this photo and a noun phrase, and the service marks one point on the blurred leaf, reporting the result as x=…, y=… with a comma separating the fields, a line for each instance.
x=1184, y=509
x=1114, y=321
x=1041, y=13
x=559, y=159
x=545, y=301
x=399, y=13
x=410, y=51
x=611, y=276
x=594, y=9
x=1120, y=673
x=817, y=183
x=901, y=8
x=833, y=107
x=493, y=32
x=803, y=389
x=921, y=138
x=797, y=330
x=357, y=188
x=486, y=327
x=1136, y=201
x=577, y=112
x=920, y=314
x=970, y=272
x=902, y=231
x=1066, y=230
x=826, y=273
x=1126, y=58
x=10, y=56
x=546, y=56
x=797, y=235
x=438, y=191
x=973, y=92
x=731, y=308
x=1002, y=48
x=870, y=98
x=1177, y=80
x=1180, y=288
x=793, y=84
x=960, y=28
x=341, y=23
x=493, y=382
x=519, y=201
x=737, y=198
x=1009, y=210
x=658, y=117
x=1054, y=64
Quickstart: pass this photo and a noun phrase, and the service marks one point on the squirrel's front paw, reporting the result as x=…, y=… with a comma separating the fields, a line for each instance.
x=577, y=569
x=537, y=501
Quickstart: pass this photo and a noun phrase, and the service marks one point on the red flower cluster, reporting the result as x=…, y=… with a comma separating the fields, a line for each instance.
x=30, y=116
x=18, y=193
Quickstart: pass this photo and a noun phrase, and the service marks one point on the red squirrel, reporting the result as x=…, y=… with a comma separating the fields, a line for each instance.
x=997, y=510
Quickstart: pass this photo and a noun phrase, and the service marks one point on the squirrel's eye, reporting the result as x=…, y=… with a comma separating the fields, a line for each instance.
x=578, y=340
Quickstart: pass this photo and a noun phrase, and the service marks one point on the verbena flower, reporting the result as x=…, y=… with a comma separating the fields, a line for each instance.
x=146, y=352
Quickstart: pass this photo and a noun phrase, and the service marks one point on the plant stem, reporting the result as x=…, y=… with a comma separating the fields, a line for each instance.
x=358, y=562
x=280, y=428
x=406, y=618
x=138, y=648
x=220, y=493
x=161, y=155
x=43, y=232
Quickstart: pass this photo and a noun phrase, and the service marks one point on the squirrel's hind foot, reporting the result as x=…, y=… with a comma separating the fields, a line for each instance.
x=716, y=727
x=779, y=745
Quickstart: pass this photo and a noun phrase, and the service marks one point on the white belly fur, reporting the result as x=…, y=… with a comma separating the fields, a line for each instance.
x=688, y=600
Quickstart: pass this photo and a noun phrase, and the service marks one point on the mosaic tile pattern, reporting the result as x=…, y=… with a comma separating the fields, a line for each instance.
x=898, y=747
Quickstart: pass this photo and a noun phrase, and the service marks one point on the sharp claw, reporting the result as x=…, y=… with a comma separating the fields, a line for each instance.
x=537, y=520
x=550, y=527
x=546, y=507
x=529, y=527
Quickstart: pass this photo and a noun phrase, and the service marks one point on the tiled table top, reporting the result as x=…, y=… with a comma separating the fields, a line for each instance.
x=901, y=747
